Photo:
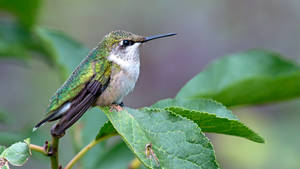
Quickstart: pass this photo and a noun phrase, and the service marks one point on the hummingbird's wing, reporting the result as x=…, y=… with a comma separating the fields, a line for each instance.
x=80, y=105
x=83, y=74
x=78, y=93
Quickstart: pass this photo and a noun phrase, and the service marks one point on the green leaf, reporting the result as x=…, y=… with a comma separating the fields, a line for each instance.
x=251, y=77
x=25, y=11
x=17, y=154
x=177, y=142
x=105, y=130
x=210, y=116
x=65, y=51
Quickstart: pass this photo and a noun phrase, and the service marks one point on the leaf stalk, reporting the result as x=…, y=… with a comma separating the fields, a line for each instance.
x=83, y=151
x=37, y=148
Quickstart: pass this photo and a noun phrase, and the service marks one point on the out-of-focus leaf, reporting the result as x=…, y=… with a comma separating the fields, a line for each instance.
x=105, y=130
x=2, y=148
x=210, y=116
x=7, y=138
x=56, y=47
x=3, y=117
x=65, y=51
x=118, y=156
x=25, y=11
x=177, y=142
x=251, y=77
x=16, y=41
x=17, y=154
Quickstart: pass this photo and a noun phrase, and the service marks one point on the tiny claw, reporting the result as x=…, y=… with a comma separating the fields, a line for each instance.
x=116, y=107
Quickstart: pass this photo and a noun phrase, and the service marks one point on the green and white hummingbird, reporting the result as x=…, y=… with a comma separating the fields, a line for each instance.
x=107, y=74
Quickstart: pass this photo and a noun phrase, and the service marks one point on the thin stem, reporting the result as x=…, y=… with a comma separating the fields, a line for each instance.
x=54, y=149
x=37, y=148
x=83, y=151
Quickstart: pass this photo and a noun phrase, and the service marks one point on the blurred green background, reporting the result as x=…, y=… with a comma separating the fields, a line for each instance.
x=206, y=30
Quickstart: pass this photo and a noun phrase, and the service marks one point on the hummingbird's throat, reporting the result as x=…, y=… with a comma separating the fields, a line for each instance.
x=127, y=57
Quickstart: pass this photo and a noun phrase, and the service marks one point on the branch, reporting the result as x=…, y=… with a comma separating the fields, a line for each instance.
x=85, y=150
x=54, y=151
x=37, y=148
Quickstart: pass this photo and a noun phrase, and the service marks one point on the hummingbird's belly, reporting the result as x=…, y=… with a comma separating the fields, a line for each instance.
x=119, y=86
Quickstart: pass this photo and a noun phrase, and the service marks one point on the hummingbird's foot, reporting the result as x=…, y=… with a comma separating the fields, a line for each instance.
x=117, y=107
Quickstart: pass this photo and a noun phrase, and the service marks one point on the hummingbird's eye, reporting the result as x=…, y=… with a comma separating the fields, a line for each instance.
x=127, y=43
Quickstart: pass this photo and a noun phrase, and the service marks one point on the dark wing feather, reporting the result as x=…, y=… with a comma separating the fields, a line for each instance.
x=80, y=105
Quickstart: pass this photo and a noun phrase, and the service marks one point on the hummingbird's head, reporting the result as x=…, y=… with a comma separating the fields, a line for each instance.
x=124, y=46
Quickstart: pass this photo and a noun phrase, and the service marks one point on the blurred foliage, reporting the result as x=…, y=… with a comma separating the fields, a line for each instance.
x=64, y=50
x=56, y=47
x=11, y=137
x=2, y=148
x=240, y=78
x=3, y=117
x=174, y=127
x=113, y=156
x=16, y=41
x=25, y=11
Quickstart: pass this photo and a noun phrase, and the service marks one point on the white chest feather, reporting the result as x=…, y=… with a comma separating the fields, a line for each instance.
x=122, y=80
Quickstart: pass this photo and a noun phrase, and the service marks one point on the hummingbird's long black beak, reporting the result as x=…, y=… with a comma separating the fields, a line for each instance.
x=157, y=37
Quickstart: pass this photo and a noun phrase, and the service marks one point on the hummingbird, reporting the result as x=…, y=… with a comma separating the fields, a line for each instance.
x=103, y=78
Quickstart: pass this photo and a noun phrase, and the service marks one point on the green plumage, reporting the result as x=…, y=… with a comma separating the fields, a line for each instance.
x=94, y=66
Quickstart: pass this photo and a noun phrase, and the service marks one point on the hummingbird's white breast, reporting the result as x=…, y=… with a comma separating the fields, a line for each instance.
x=123, y=79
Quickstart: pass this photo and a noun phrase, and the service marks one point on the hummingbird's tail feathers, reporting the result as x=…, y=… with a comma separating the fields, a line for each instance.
x=54, y=116
x=80, y=105
x=72, y=116
x=42, y=122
